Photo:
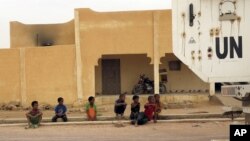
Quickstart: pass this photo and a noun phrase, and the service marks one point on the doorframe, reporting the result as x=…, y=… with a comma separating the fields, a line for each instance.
x=119, y=89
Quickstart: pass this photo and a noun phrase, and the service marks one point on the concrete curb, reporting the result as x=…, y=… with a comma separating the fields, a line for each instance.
x=110, y=118
x=124, y=121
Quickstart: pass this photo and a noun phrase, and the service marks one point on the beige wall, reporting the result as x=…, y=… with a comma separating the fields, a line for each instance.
x=184, y=79
x=72, y=69
x=50, y=73
x=166, y=99
x=25, y=35
x=110, y=33
x=134, y=65
x=9, y=75
x=165, y=32
x=124, y=32
x=46, y=74
x=131, y=68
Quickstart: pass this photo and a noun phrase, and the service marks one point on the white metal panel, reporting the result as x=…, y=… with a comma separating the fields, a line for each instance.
x=191, y=43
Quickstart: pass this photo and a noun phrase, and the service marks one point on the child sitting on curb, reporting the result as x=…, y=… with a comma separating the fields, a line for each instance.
x=34, y=116
x=135, y=109
x=91, y=109
x=120, y=106
x=158, y=105
x=60, y=111
x=148, y=113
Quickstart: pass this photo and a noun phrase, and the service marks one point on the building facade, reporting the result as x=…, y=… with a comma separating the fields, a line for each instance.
x=95, y=54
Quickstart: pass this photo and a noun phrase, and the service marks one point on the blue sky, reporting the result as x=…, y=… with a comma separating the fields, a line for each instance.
x=59, y=11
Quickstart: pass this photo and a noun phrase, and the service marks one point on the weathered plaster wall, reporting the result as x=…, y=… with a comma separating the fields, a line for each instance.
x=131, y=68
x=50, y=73
x=42, y=74
x=184, y=79
x=110, y=33
x=28, y=35
x=9, y=75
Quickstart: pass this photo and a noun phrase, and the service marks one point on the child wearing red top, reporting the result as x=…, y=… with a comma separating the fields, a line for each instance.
x=148, y=113
x=150, y=108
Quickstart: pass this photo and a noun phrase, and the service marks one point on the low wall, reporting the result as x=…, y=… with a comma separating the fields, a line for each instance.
x=9, y=75
x=38, y=73
x=165, y=98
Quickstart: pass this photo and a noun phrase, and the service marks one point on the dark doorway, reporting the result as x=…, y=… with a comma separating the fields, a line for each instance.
x=111, y=77
x=218, y=87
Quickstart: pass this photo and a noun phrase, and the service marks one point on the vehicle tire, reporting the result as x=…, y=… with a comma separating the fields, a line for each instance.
x=138, y=89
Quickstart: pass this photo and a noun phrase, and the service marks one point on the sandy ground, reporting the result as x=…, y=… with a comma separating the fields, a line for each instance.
x=200, y=108
x=149, y=132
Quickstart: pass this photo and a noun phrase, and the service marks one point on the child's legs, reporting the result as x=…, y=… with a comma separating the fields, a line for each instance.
x=120, y=110
x=64, y=117
x=134, y=118
x=35, y=120
x=156, y=115
x=40, y=119
x=91, y=114
x=142, y=119
x=91, y=118
x=54, y=119
x=28, y=119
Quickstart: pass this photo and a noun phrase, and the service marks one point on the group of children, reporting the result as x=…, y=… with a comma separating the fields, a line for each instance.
x=151, y=109
x=151, y=112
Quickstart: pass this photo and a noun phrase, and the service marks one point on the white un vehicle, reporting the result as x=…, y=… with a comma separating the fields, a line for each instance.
x=212, y=37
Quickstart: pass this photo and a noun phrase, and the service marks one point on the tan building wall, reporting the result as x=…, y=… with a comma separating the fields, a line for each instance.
x=72, y=69
x=42, y=74
x=9, y=75
x=134, y=65
x=110, y=33
x=50, y=73
x=166, y=99
x=28, y=35
x=183, y=80
x=131, y=66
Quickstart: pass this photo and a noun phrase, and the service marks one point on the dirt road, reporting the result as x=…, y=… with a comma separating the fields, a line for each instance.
x=149, y=132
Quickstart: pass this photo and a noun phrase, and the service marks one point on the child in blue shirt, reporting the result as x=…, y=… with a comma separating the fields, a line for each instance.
x=60, y=111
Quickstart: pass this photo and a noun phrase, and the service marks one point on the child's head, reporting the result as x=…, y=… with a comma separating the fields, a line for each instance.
x=34, y=104
x=136, y=98
x=91, y=100
x=122, y=97
x=60, y=100
x=157, y=97
x=151, y=99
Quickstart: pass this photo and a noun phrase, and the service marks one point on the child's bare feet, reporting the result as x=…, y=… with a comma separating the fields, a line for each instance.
x=27, y=127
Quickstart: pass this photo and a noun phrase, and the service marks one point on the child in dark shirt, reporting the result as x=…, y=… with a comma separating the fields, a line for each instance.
x=120, y=105
x=135, y=109
x=60, y=111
